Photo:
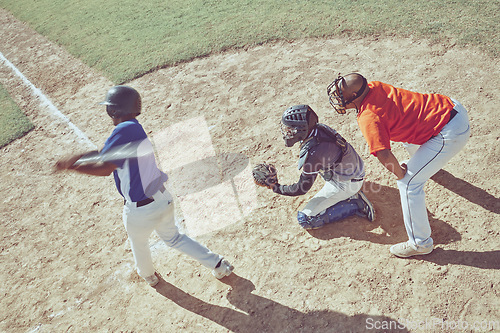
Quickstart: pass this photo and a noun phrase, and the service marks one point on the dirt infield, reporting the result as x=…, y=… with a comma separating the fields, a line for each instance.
x=66, y=264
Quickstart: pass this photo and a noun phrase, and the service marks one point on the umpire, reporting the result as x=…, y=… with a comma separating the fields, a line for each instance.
x=432, y=127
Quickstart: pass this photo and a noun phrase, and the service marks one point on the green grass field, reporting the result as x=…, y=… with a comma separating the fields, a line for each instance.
x=126, y=39
x=13, y=122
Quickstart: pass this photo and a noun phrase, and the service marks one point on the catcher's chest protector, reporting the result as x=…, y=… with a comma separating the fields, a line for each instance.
x=324, y=133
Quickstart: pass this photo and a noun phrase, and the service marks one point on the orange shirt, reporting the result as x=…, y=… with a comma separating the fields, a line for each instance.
x=394, y=114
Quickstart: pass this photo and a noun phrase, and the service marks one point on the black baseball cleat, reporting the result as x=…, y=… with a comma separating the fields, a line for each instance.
x=367, y=210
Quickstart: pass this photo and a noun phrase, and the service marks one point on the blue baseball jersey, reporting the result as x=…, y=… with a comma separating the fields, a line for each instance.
x=136, y=178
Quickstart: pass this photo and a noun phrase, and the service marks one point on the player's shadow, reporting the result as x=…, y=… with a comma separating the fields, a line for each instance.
x=388, y=227
x=468, y=191
x=258, y=314
x=484, y=260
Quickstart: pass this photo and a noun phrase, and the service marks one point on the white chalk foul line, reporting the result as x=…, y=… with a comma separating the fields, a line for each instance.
x=47, y=103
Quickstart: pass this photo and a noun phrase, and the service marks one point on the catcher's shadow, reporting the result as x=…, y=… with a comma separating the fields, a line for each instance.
x=388, y=226
x=259, y=314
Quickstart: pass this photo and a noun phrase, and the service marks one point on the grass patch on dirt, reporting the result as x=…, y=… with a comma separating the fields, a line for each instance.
x=13, y=122
x=126, y=39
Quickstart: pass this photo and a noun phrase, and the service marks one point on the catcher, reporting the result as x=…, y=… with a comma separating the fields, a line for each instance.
x=322, y=151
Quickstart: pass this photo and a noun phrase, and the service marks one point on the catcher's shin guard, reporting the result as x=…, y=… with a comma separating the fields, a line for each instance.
x=339, y=211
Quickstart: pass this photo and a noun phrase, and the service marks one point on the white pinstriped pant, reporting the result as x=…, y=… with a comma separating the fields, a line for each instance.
x=158, y=216
x=425, y=161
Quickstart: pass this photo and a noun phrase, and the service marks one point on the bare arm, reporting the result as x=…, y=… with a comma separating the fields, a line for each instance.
x=95, y=169
x=387, y=158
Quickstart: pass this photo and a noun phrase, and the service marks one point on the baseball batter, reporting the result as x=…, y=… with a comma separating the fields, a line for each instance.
x=432, y=127
x=323, y=151
x=148, y=206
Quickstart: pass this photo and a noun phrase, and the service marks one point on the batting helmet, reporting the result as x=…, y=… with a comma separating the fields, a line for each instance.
x=121, y=101
x=296, y=123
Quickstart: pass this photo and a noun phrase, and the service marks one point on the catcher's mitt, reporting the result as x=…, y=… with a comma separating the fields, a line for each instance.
x=265, y=175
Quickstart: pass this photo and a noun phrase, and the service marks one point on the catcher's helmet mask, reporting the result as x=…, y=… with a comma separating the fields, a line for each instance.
x=122, y=101
x=296, y=123
x=336, y=97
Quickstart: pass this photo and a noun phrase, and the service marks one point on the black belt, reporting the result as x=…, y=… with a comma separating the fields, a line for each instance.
x=146, y=201
x=356, y=180
x=453, y=113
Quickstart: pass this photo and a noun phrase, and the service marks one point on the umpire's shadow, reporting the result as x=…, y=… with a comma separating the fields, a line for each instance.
x=259, y=314
x=484, y=260
x=468, y=191
x=388, y=227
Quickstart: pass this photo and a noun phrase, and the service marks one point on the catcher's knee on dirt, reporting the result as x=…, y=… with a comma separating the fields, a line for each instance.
x=309, y=222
